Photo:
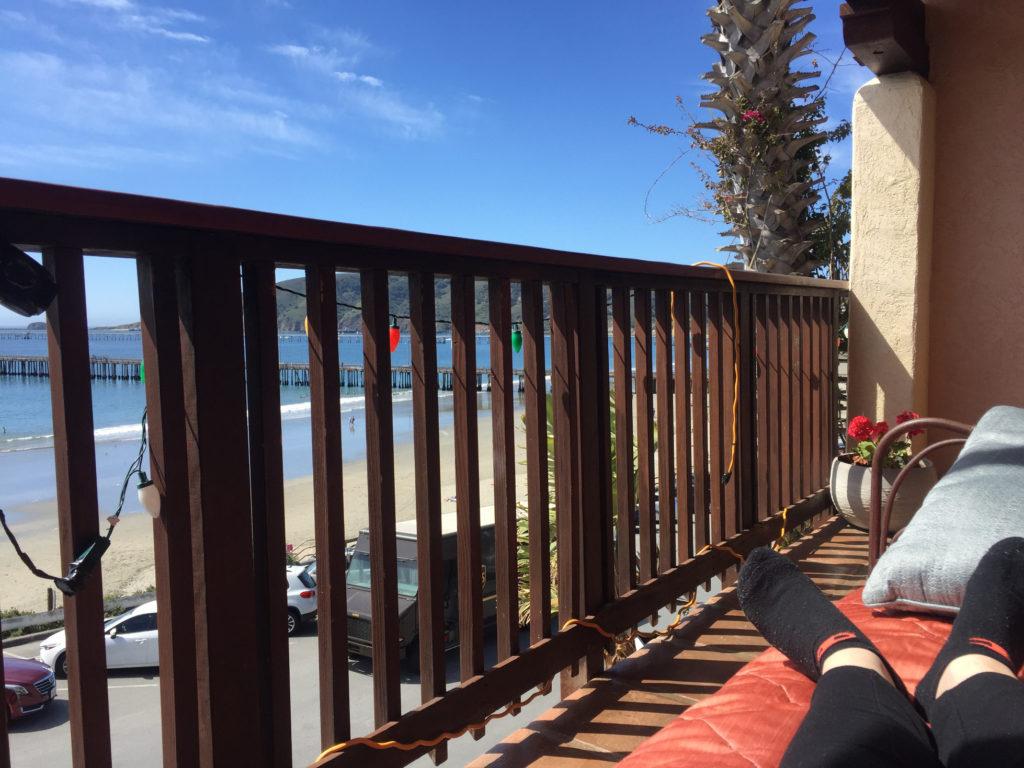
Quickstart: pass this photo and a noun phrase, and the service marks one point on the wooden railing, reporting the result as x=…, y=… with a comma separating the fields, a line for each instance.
x=208, y=305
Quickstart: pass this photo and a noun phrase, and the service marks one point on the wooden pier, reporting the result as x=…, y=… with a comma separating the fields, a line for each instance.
x=292, y=374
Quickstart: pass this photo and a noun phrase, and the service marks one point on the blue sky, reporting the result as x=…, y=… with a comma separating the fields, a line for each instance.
x=499, y=121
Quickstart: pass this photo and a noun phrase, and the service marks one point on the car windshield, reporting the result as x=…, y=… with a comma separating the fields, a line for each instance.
x=359, y=574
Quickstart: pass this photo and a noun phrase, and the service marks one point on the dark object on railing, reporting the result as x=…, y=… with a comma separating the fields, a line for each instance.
x=79, y=569
x=25, y=286
x=877, y=538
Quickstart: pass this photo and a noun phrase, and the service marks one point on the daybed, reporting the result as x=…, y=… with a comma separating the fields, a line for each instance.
x=906, y=606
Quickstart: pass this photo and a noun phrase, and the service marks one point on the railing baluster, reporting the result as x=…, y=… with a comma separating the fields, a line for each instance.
x=764, y=457
x=786, y=430
x=5, y=742
x=746, y=448
x=643, y=333
x=328, y=504
x=815, y=385
x=699, y=418
x=666, y=432
x=503, y=441
x=625, y=487
x=565, y=407
x=423, y=331
x=716, y=422
x=730, y=456
x=537, y=494
x=807, y=457
x=77, y=509
x=217, y=444
x=172, y=532
x=684, y=457
x=380, y=485
x=594, y=457
x=266, y=479
x=467, y=478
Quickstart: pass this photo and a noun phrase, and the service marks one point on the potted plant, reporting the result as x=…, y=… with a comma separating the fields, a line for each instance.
x=850, y=478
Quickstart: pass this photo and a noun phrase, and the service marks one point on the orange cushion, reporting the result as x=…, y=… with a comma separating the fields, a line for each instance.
x=751, y=719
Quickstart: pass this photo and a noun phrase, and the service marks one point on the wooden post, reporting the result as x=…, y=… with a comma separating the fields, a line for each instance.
x=172, y=531
x=77, y=506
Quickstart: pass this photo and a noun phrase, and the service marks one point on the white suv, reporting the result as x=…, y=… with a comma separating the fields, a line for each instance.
x=301, y=595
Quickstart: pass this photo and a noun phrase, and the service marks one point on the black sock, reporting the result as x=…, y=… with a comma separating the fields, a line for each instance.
x=991, y=619
x=796, y=617
x=793, y=614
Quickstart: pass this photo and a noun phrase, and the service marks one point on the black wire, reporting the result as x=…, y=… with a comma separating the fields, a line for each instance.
x=393, y=314
x=24, y=558
x=133, y=469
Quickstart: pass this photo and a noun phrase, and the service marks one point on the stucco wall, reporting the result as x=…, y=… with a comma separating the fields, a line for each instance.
x=976, y=356
x=891, y=238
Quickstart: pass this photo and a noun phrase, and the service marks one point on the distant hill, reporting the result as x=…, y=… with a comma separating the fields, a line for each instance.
x=291, y=309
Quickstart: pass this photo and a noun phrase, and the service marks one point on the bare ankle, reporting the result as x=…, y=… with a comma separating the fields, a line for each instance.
x=967, y=666
x=856, y=657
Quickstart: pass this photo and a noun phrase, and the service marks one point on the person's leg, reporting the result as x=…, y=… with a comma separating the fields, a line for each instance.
x=971, y=694
x=860, y=713
x=857, y=719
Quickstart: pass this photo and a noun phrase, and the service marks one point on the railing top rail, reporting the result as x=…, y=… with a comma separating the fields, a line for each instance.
x=53, y=200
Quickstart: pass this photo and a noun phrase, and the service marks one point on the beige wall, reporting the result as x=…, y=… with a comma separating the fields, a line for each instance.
x=950, y=335
x=891, y=239
x=976, y=354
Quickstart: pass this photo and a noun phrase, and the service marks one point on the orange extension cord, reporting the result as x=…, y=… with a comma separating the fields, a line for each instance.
x=407, y=746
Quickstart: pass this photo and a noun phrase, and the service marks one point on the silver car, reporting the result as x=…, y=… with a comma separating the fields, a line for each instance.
x=301, y=595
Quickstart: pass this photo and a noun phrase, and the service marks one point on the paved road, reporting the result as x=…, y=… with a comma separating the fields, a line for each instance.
x=44, y=739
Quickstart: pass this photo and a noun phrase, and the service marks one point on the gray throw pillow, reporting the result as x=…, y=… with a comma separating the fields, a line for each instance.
x=978, y=502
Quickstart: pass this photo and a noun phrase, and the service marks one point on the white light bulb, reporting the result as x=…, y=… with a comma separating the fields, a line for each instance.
x=149, y=496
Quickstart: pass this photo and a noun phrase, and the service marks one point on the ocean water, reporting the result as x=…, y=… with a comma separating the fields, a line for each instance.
x=27, y=471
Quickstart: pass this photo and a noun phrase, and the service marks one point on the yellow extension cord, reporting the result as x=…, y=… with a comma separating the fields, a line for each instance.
x=736, y=361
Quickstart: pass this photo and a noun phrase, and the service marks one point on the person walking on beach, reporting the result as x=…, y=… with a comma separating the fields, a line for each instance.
x=861, y=713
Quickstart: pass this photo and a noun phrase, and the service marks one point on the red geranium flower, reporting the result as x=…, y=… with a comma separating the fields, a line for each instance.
x=860, y=428
x=907, y=416
x=880, y=429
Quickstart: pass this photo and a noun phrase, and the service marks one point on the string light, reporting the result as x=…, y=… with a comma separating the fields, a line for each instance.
x=517, y=338
x=395, y=333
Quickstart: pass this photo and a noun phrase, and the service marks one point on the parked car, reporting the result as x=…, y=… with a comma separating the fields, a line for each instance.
x=28, y=686
x=130, y=641
x=357, y=592
x=301, y=595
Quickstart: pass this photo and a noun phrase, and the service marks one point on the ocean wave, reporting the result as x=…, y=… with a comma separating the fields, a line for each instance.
x=349, y=404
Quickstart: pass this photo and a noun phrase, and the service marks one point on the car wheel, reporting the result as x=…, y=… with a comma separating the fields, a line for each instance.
x=60, y=666
x=294, y=621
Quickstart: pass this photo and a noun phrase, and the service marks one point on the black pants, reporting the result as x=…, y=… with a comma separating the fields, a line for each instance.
x=857, y=719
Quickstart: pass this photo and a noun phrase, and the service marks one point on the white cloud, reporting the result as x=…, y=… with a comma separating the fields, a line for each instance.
x=122, y=101
x=409, y=121
x=313, y=57
x=376, y=103
x=352, y=77
x=154, y=21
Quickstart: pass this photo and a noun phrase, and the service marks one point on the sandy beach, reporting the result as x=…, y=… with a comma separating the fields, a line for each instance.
x=127, y=567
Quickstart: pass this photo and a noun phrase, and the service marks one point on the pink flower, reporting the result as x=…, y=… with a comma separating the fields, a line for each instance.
x=753, y=114
x=860, y=428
